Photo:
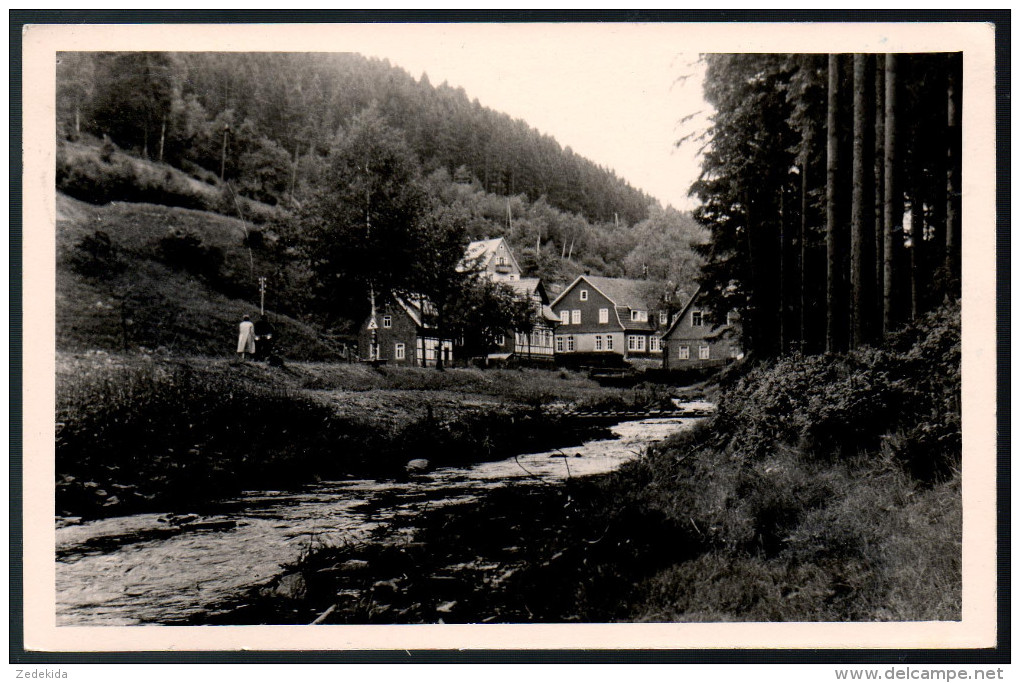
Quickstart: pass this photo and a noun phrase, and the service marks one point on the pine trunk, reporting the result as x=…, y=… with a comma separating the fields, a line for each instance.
x=893, y=204
x=832, y=342
x=953, y=230
x=862, y=214
x=918, y=282
x=879, y=208
x=805, y=162
x=162, y=139
x=782, y=269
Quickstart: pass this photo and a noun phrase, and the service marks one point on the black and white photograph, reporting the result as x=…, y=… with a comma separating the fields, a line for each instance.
x=513, y=325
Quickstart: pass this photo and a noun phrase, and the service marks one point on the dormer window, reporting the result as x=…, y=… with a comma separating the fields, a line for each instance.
x=584, y=295
x=663, y=318
x=637, y=316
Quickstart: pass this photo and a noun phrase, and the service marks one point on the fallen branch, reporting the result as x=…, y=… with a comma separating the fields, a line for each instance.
x=322, y=617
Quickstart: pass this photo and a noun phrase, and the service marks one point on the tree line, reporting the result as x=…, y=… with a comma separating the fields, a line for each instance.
x=266, y=121
x=831, y=187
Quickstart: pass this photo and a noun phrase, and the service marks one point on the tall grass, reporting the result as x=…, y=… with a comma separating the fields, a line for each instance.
x=825, y=489
x=99, y=176
x=136, y=433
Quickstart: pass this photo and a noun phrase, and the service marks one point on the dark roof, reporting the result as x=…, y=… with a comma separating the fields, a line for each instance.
x=683, y=311
x=525, y=285
x=622, y=291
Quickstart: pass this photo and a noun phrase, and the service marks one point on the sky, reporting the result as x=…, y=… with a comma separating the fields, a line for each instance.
x=613, y=93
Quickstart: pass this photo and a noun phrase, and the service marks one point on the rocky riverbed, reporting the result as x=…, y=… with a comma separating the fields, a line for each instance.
x=159, y=569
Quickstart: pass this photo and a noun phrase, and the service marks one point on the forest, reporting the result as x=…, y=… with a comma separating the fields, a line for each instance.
x=359, y=177
x=831, y=187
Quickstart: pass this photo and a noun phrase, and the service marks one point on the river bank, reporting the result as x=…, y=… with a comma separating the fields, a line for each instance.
x=159, y=569
x=149, y=433
x=825, y=489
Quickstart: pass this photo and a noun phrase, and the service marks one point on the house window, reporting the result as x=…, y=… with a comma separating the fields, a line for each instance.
x=584, y=295
x=598, y=342
x=387, y=321
x=575, y=317
x=399, y=351
x=703, y=352
x=500, y=261
x=663, y=318
x=564, y=317
x=570, y=342
x=609, y=342
x=697, y=319
x=730, y=317
x=500, y=339
x=685, y=352
x=603, y=315
x=635, y=342
x=639, y=316
x=653, y=343
x=559, y=344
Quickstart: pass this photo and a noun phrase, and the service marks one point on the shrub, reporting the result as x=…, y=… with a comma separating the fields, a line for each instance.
x=95, y=255
x=183, y=250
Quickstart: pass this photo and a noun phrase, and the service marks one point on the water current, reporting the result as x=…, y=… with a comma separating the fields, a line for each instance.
x=140, y=569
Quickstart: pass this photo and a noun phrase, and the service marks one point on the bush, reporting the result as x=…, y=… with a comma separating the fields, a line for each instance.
x=116, y=177
x=96, y=256
x=839, y=406
x=183, y=250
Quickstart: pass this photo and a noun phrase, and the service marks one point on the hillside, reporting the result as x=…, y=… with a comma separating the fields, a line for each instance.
x=130, y=297
x=176, y=147
x=281, y=113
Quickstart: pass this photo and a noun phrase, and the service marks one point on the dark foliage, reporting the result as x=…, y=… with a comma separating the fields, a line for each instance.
x=182, y=249
x=97, y=256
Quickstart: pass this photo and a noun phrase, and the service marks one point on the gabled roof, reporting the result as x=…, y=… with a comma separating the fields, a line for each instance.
x=417, y=309
x=683, y=311
x=526, y=286
x=715, y=331
x=624, y=293
x=484, y=250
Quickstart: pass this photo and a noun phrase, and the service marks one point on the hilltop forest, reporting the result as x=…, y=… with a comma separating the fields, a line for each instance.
x=352, y=175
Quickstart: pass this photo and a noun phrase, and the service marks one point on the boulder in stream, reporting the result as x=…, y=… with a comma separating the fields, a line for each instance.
x=417, y=466
x=289, y=587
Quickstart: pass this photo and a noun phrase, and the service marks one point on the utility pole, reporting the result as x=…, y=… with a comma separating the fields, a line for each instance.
x=373, y=325
x=262, y=295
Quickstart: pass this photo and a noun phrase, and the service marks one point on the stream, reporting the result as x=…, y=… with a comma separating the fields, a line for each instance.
x=142, y=569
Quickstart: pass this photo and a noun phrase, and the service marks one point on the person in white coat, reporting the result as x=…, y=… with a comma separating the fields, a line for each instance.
x=246, y=338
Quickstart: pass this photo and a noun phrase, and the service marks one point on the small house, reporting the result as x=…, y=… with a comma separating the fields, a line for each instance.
x=399, y=334
x=534, y=346
x=695, y=340
x=607, y=321
x=494, y=259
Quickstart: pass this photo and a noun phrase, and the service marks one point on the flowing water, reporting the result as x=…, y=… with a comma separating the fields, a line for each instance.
x=139, y=569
